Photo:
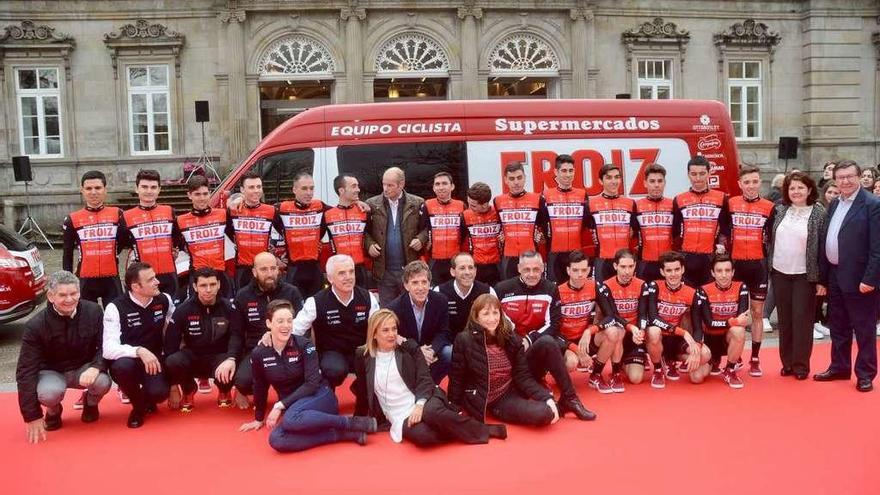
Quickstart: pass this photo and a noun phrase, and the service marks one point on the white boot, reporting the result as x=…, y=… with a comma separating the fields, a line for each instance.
x=817, y=333
x=767, y=326
x=822, y=328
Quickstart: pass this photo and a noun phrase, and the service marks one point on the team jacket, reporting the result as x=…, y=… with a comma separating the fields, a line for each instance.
x=482, y=231
x=666, y=308
x=612, y=219
x=577, y=309
x=250, y=227
x=701, y=220
x=152, y=232
x=567, y=212
x=519, y=217
x=303, y=227
x=294, y=373
x=96, y=234
x=621, y=304
x=654, y=224
x=204, y=330
x=750, y=224
x=250, y=304
x=203, y=235
x=346, y=226
x=443, y=222
x=534, y=311
x=723, y=305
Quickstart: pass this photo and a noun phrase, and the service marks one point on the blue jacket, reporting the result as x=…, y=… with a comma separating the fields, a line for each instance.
x=435, y=328
x=858, y=244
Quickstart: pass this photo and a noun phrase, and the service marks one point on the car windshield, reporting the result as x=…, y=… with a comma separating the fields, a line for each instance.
x=12, y=240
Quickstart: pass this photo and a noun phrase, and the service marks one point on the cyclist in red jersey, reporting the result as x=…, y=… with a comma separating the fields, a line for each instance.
x=482, y=233
x=301, y=223
x=654, y=223
x=440, y=217
x=346, y=225
x=667, y=303
x=249, y=225
x=751, y=218
x=567, y=214
x=701, y=222
x=612, y=219
x=725, y=315
x=95, y=234
x=523, y=218
x=203, y=235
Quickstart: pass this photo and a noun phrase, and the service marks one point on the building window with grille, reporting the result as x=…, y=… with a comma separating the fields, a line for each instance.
x=655, y=79
x=39, y=111
x=148, y=109
x=744, y=98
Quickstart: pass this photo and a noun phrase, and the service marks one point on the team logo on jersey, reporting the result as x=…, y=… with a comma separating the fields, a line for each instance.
x=347, y=227
x=518, y=215
x=655, y=219
x=671, y=310
x=748, y=220
x=445, y=221
x=700, y=212
x=565, y=211
x=612, y=217
x=625, y=306
x=485, y=230
x=204, y=233
x=98, y=232
x=578, y=309
x=301, y=220
x=152, y=230
x=724, y=308
x=251, y=225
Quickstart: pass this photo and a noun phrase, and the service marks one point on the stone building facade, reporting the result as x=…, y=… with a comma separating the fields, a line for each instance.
x=111, y=85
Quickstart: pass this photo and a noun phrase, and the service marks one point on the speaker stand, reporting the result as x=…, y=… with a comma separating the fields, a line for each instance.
x=204, y=162
x=786, y=166
x=30, y=227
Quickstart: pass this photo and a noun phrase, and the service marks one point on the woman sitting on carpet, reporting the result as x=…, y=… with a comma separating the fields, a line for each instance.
x=395, y=386
x=307, y=414
x=490, y=373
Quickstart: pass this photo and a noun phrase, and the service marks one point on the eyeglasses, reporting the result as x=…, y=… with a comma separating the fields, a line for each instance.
x=847, y=177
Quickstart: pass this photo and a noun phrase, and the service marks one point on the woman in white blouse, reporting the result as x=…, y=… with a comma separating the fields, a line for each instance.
x=797, y=236
x=394, y=385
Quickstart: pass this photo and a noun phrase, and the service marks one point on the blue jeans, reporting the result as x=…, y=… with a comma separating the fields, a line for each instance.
x=441, y=367
x=310, y=422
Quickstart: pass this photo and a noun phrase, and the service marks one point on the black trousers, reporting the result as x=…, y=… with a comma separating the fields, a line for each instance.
x=243, y=276
x=440, y=272
x=852, y=313
x=603, y=269
x=244, y=376
x=544, y=356
x=697, y=269
x=488, y=274
x=335, y=366
x=168, y=284
x=795, y=308
x=509, y=267
x=440, y=424
x=306, y=276
x=142, y=389
x=556, y=263
x=821, y=314
x=648, y=271
x=105, y=288
x=516, y=409
x=184, y=366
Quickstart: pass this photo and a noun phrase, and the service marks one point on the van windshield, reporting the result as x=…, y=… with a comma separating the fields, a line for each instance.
x=278, y=172
x=419, y=161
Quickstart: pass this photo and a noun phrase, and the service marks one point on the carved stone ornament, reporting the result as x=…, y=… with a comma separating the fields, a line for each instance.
x=29, y=41
x=658, y=28
x=581, y=13
x=142, y=29
x=470, y=11
x=232, y=16
x=748, y=33
x=29, y=32
x=143, y=37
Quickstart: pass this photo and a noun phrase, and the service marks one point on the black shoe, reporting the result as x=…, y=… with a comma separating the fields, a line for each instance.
x=829, y=376
x=802, y=375
x=786, y=372
x=574, y=405
x=151, y=408
x=53, y=421
x=366, y=424
x=863, y=385
x=498, y=431
x=90, y=414
x=362, y=438
x=136, y=419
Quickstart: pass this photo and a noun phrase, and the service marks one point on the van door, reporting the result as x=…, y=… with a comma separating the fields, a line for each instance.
x=278, y=171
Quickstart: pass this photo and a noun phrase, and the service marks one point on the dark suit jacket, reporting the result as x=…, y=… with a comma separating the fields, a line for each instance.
x=858, y=244
x=435, y=327
x=409, y=228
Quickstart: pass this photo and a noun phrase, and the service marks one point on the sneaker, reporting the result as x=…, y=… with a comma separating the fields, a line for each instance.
x=658, y=380
x=584, y=369
x=186, y=404
x=716, y=368
x=122, y=397
x=878, y=330
x=768, y=328
x=755, y=367
x=78, y=405
x=90, y=414
x=739, y=365
x=224, y=399
x=822, y=328
x=731, y=378
x=672, y=372
x=598, y=382
x=817, y=334
x=617, y=383
x=53, y=421
x=204, y=386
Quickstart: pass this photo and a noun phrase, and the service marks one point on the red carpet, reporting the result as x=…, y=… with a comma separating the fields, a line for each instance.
x=775, y=436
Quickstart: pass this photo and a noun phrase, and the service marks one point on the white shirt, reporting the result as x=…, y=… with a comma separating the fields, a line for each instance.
x=790, y=246
x=461, y=294
x=112, y=338
x=393, y=204
x=396, y=400
x=304, y=319
x=834, y=224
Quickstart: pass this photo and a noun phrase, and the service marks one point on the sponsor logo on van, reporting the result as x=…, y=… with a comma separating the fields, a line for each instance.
x=527, y=127
x=709, y=142
x=705, y=125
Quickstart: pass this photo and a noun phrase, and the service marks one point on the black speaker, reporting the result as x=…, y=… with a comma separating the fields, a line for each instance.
x=622, y=96
x=21, y=168
x=788, y=148
x=202, y=114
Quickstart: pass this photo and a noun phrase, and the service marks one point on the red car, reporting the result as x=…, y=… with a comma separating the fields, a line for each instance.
x=22, y=277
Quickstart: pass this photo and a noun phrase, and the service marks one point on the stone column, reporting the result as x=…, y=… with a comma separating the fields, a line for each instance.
x=237, y=140
x=580, y=49
x=469, y=59
x=354, y=54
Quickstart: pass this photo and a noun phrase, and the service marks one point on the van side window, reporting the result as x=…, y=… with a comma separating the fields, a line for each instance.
x=419, y=161
x=278, y=172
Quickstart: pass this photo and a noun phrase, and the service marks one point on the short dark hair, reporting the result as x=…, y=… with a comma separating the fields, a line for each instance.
x=721, y=258
x=339, y=182
x=196, y=182
x=414, y=268
x=206, y=272
x=747, y=168
x=443, y=174
x=480, y=192
x=655, y=168
x=133, y=273
x=151, y=175
x=561, y=159
x=302, y=174
x=92, y=175
x=623, y=253
x=670, y=257
x=514, y=167
x=576, y=256
x=698, y=161
x=277, y=304
x=842, y=164
x=453, y=262
x=251, y=174
x=804, y=179
x=608, y=167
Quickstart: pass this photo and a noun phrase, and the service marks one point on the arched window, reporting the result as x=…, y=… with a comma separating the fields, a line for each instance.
x=411, y=66
x=522, y=65
x=296, y=56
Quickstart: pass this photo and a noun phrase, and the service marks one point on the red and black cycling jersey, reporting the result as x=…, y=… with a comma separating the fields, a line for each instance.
x=612, y=219
x=621, y=304
x=346, y=226
x=250, y=228
x=152, y=233
x=521, y=216
x=666, y=308
x=701, y=220
x=302, y=226
x=443, y=223
x=567, y=213
x=96, y=234
x=534, y=311
x=203, y=236
x=724, y=304
x=654, y=224
x=750, y=224
x=577, y=309
x=482, y=233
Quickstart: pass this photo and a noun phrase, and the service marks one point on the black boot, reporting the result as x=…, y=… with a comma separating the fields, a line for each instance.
x=498, y=431
x=90, y=414
x=136, y=418
x=53, y=421
x=366, y=424
x=573, y=404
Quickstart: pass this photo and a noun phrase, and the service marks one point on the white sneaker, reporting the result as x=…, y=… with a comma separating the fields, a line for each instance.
x=822, y=328
x=878, y=329
x=817, y=334
x=768, y=328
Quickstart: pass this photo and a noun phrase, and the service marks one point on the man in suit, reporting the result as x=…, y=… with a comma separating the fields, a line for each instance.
x=424, y=318
x=393, y=237
x=851, y=264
